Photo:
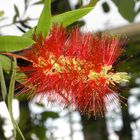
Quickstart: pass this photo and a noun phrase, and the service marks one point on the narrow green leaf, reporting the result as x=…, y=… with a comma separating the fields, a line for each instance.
x=39, y=2
x=66, y=18
x=42, y=2
x=16, y=10
x=44, y=23
x=14, y=43
x=14, y=18
x=70, y=17
x=10, y=99
x=3, y=84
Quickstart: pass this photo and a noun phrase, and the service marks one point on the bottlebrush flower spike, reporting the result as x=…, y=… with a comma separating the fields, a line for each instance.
x=74, y=68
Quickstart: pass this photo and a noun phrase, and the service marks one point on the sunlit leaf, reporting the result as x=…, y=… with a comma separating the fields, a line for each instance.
x=29, y=33
x=14, y=43
x=70, y=17
x=44, y=23
x=39, y=2
x=65, y=19
x=42, y=2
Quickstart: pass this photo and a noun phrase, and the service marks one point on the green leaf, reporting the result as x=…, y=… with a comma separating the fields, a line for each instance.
x=40, y=131
x=126, y=8
x=3, y=84
x=66, y=18
x=39, y=2
x=14, y=43
x=70, y=17
x=29, y=33
x=45, y=20
x=10, y=99
x=42, y=2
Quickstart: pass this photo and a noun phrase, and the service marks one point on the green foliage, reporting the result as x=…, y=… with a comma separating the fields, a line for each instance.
x=29, y=33
x=65, y=19
x=132, y=64
x=39, y=2
x=44, y=23
x=126, y=8
x=14, y=43
x=40, y=132
x=70, y=17
x=42, y=2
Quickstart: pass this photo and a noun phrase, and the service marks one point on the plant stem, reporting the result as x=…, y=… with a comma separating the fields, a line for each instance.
x=3, y=85
x=10, y=99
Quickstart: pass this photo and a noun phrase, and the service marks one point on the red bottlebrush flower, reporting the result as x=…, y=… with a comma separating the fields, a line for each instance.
x=74, y=68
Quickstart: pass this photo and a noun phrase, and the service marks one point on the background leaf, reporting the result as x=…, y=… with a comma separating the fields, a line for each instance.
x=14, y=43
x=44, y=23
x=49, y=114
x=16, y=10
x=39, y=2
x=126, y=8
x=42, y=2
x=1, y=13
